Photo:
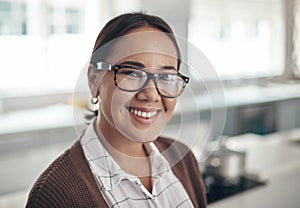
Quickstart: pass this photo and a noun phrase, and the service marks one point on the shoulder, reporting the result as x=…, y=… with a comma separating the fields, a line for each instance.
x=174, y=151
x=60, y=166
x=58, y=186
x=168, y=144
x=48, y=184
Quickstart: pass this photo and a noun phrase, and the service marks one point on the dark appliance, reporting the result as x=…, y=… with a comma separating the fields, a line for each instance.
x=218, y=188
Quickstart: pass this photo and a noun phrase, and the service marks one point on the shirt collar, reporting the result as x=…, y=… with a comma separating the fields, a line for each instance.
x=106, y=170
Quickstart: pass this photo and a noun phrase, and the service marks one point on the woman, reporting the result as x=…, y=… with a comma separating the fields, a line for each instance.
x=120, y=160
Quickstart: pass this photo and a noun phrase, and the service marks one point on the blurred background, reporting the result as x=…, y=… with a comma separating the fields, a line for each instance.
x=253, y=45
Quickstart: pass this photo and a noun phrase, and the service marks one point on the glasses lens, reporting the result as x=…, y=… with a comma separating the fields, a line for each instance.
x=169, y=85
x=130, y=79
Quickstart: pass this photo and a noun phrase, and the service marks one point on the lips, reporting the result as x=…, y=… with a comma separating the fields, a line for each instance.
x=147, y=114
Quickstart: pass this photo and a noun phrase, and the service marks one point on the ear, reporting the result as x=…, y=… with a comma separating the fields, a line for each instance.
x=94, y=81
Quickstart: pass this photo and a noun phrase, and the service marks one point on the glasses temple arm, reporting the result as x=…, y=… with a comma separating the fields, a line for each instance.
x=101, y=66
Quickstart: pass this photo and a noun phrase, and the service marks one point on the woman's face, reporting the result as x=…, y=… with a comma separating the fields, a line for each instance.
x=139, y=116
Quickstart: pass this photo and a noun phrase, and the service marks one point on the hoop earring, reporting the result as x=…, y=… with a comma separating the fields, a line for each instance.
x=94, y=100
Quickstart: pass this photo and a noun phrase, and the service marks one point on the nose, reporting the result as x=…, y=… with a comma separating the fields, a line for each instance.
x=149, y=92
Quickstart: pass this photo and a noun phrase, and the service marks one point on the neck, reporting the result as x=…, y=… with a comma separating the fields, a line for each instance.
x=131, y=156
x=115, y=142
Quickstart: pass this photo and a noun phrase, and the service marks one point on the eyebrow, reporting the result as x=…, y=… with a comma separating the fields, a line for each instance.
x=132, y=63
x=141, y=65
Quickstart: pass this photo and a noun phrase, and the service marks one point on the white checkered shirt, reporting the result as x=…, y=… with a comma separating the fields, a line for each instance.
x=121, y=189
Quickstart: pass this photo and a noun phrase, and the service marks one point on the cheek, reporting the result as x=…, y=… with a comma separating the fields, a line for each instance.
x=114, y=100
x=120, y=99
x=110, y=94
x=106, y=90
x=106, y=85
x=170, y=106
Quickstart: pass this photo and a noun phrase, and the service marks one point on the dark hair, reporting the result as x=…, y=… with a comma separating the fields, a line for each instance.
x=122, y=24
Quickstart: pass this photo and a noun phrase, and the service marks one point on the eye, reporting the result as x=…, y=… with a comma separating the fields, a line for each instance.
x=132, y=73
x=168, y=77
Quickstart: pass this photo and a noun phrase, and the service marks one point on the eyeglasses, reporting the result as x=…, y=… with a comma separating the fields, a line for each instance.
x=131, y=79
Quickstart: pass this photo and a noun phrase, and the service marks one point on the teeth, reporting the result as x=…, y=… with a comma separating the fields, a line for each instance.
x=143, y=114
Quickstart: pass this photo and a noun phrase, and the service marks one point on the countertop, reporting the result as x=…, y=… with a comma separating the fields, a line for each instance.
x=275, y=158
x=278, y=193
x=209, y=98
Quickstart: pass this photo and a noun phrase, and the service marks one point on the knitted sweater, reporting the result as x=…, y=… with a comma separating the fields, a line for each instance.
x=68, y=181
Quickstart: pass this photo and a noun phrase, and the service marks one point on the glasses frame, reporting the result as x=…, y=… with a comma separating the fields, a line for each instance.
x=102, y=66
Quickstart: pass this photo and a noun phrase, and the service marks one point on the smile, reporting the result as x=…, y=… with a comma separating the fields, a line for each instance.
x=143, y=114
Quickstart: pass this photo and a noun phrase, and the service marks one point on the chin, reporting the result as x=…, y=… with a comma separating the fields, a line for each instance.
x=141, y=135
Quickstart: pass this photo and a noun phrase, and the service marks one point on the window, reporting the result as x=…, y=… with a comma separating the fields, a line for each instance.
x=38, y=40
x=65, y=20
x=72, y=19
x=13, y=18
x=241, y=38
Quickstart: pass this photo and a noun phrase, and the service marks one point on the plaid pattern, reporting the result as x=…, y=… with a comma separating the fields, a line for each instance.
x=121, y=189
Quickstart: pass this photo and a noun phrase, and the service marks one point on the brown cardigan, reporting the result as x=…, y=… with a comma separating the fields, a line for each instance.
x=68, y=181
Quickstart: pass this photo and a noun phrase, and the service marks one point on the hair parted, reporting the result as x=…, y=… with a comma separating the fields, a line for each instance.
x=124, y=23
